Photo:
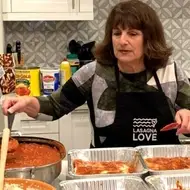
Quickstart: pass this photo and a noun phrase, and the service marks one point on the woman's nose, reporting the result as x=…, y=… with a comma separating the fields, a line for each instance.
x=124, y=38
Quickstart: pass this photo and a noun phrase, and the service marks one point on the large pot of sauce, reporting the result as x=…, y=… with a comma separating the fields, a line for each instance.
x=40, y=170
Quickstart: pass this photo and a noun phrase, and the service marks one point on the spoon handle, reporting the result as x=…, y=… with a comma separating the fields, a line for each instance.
x=4, y=148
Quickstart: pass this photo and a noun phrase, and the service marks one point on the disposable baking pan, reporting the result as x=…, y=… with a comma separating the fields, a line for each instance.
x=168, y=182
x=105, y=183
x=163, y=151
x=104, y=154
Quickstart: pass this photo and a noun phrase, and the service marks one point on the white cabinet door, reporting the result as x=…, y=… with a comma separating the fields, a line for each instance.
x=35, y=126
x=27, y=125
x=75, y=129
x=86, y=5
x=42, y=6
x=33, y=10
x=81, y=129
x=6, y=6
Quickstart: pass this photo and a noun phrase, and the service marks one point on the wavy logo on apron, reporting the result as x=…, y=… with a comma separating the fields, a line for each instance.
x=144, y=129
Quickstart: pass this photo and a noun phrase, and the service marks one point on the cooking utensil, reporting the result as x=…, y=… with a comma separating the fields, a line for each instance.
x=170, y=126
x=9, y=48
x=47, y=173
x=18, y=51
x=13, y=143
x=4, y=150
x=11, y=117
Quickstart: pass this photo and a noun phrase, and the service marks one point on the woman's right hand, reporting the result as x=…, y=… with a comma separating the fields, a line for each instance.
x=27, y=104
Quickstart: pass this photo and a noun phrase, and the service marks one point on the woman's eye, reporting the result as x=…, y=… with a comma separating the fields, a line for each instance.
x=132, y=34
x=116, y=33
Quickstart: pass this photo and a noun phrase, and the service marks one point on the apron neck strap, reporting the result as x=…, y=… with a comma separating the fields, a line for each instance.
x=157, y=81
x=117, y=77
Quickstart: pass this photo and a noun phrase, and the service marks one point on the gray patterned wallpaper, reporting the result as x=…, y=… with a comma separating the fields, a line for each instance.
x=45, y=43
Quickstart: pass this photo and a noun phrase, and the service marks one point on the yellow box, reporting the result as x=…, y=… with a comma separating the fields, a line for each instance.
x=27, y=81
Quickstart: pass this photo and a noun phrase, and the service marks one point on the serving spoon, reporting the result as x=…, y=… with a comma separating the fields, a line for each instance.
x=4, y=150
x=7, y=145
x=13, y=143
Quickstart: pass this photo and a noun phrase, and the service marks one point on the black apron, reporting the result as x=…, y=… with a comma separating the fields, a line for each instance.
x=138, y=119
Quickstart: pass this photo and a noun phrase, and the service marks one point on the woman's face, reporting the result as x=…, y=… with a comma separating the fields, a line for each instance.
x=127, y=45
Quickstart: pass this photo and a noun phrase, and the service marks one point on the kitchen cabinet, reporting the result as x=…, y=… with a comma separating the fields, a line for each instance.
x=14, y=10
x=75, y=129
x=27, y=126
x=81, y=129
x=46, y=6
x=44, y=135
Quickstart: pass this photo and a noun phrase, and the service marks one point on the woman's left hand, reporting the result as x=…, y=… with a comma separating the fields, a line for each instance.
x=182, y=117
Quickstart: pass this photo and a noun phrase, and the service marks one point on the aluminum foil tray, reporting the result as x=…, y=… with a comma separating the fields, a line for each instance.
x=105, y=183
x=163, y=151
x=104, y=154
x=168, y=182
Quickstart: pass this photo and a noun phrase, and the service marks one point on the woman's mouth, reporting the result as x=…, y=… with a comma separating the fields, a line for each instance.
x=125, y=51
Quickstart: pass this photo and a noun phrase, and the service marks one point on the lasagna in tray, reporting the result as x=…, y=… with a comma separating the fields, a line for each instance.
x=164, y=163
x=101, y=167
x=179, y=186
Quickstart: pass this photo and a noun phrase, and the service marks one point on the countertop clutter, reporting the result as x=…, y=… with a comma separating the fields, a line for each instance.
x=35, y=81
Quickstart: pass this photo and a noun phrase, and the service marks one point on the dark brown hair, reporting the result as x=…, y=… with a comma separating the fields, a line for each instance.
x=135, y=14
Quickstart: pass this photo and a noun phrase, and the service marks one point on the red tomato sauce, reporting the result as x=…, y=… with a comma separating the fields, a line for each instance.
x=32, y=154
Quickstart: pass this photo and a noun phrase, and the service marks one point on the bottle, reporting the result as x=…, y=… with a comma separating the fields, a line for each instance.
x=65, y=72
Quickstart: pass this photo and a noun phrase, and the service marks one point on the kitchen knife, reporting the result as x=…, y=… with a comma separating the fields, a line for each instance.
x=9, y=48
x=18, y=51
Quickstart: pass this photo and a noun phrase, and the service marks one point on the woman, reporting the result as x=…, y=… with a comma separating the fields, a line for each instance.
x=132, y=89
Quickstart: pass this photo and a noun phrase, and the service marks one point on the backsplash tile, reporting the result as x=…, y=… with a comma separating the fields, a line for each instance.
x=44, y=43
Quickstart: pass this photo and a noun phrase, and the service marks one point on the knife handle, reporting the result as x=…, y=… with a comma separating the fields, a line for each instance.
x=18, y=51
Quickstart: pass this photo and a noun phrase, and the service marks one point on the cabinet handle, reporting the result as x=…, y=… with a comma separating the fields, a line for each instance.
x=73, y=4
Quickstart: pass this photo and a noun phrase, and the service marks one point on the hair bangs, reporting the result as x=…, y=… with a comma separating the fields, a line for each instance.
x=126, y=20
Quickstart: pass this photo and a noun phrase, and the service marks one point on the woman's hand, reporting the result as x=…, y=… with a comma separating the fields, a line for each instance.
x=27, y=104
x=182, y=117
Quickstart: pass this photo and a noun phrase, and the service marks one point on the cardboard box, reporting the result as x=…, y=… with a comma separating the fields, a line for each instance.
x=7, y=73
